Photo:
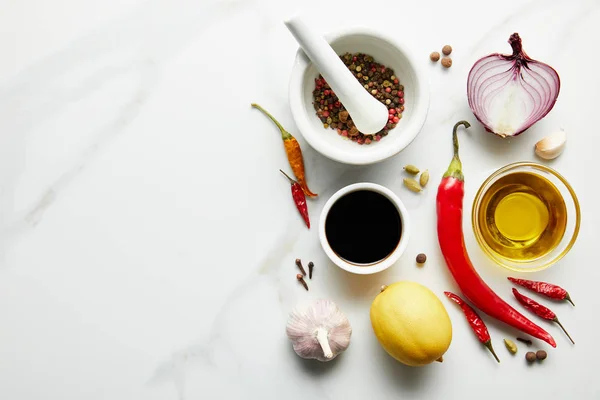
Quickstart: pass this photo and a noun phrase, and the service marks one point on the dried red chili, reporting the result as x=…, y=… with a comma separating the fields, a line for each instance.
x=299, y=199
x=475, y=321
x=547, y=289
x=452, y=243
x=539, y=310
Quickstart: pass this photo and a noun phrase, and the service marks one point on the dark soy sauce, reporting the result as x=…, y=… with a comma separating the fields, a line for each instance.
x=363, y=227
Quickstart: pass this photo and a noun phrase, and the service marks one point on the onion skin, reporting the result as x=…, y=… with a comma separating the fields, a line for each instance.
x=537, y=83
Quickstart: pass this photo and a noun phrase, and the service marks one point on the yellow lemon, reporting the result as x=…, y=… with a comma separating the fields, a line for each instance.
x=411, y=323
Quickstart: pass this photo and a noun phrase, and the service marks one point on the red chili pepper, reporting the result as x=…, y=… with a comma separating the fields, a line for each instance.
x=539, y=310
x=475, y=321
x=450, y=235
x=299, y=199
x=547, y=289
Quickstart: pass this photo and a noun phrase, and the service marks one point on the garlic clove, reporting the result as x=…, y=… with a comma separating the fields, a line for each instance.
x=319, y=330
x=551, y=146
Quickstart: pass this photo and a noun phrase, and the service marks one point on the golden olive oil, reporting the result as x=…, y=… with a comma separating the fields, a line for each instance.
x=522, y=216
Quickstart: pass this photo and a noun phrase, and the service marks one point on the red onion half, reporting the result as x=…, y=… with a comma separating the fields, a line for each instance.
x=509, y=93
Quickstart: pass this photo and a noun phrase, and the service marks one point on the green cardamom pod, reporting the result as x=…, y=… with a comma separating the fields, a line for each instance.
x=424, y=178
x=412, y=185
x=511, y=346
x=411, y=169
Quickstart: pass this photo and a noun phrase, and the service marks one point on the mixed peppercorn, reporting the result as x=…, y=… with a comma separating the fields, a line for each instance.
x=378, y=79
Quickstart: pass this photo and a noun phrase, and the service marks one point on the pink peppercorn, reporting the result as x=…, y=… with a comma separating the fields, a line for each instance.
x=377, y=138
x=396, y=119
x=326, y=92
x=401, y=94
x=360, y=141
x=326, y=113
x=367, y=141
x=354, y=58
x=392, y=111
x=322, y=101
x=344, y=132
x=331, y=106
x=396, y=81
x=387, y=89
x=401, y=100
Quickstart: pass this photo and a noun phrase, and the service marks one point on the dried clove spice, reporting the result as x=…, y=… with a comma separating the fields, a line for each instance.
x=526, y=341
x=299, y=264
x=302, y=281
x=311, y=265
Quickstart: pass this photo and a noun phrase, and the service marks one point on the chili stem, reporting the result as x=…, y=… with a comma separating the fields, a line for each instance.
x=563, y=328
x=284, y=134
x=455, y=135
x=568, y=298
x=287, y=176
x=488, y=344
x=455, y=168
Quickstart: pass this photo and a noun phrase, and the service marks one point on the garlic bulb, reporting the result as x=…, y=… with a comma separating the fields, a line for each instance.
x=319, y=330
x=551, y=146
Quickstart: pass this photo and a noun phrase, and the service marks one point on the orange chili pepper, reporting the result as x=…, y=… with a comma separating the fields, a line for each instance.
x=293, y=151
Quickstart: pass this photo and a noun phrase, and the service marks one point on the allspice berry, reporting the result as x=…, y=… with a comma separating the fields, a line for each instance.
x=530, y=356
x=421, y=258
x=446, y=50
x=446, y=62
x=541, y=355
x=435, y=56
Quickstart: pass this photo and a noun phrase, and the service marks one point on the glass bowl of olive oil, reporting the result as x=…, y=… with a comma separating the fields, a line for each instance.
x=526, y=216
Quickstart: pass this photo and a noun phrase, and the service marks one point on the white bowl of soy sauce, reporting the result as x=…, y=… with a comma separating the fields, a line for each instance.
x=364, y=228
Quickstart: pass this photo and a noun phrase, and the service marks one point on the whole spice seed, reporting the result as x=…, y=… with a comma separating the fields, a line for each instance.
x=530, y=356
x=511, y=346
x=424, y=178
x=412, y=185
x=300, y=267
x=475, y=321
x=449, y=204
x=526, y=341
x=379, y=80
x=311, y=266
x=547, y=289
x=293, y=151
x=541, y=355
x=539, y=310
x=446, y=62
x=299, y=199
x=435, y=56
x=446, y=50
x=411, y=169
x=421, y=258
x=302, y=281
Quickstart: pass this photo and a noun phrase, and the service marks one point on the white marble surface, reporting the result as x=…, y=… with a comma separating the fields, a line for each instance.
x=147, y=240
